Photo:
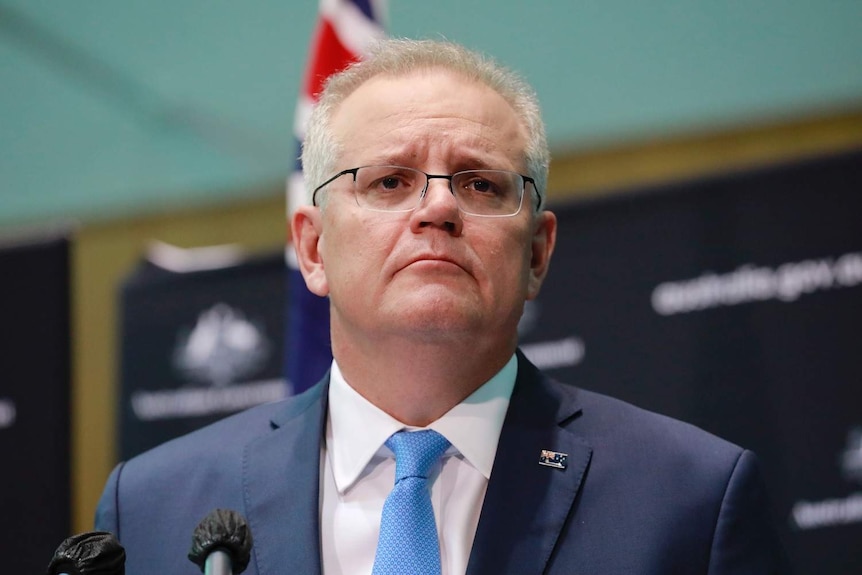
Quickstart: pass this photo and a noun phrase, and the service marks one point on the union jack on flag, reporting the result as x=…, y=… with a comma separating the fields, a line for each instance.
x=345, y=30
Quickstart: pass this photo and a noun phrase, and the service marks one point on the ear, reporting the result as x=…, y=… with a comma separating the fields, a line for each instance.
x=306, y=231
x=543, y=242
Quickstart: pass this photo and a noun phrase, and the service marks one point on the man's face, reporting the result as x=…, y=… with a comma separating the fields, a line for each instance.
x=433, y=274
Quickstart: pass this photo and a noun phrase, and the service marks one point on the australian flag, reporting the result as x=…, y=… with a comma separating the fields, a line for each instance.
x=344, y=31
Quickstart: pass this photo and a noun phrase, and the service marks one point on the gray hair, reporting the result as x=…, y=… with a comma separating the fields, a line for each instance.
x=398, y=57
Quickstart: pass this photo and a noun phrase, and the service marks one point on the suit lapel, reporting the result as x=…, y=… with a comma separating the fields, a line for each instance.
x=281, y=479
x=527, y=504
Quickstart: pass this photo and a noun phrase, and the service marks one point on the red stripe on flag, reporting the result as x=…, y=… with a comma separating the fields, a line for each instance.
x=329, y=56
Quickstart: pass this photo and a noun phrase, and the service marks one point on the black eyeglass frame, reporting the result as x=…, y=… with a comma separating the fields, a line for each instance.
x=429, y=177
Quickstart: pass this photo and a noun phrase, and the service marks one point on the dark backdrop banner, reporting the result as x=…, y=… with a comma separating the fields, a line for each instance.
x=34, y=402
x=734, y=303
x=197, y=346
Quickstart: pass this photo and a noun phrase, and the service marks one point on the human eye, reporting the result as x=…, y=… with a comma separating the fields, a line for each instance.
x=387, y=187
x=390, y=182
x=479, y=183
x=387, y=180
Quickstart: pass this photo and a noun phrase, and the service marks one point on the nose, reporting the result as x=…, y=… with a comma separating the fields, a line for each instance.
x=437, y=209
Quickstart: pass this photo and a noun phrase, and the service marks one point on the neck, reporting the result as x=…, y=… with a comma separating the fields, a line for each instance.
x=417, y=382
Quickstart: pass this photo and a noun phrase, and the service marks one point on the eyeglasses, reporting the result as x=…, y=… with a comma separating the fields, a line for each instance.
x=488, y=193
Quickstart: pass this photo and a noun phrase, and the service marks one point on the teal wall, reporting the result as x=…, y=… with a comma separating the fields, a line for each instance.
x=114, y=108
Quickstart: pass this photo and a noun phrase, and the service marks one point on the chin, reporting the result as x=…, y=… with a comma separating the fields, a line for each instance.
x=440, y=319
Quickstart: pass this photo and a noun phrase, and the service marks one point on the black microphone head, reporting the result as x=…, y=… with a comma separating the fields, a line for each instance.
x=222, y=529
x=92, y=553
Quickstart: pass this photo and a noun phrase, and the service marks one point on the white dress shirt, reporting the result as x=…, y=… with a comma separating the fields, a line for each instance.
x=358, y=472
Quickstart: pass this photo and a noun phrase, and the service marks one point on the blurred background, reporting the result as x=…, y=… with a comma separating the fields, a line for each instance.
x=122, y=123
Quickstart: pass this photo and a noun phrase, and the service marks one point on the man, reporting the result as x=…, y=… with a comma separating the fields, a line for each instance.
x=428, y=233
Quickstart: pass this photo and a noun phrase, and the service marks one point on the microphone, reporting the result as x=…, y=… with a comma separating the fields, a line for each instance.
x=221, y=543
x=91, y=553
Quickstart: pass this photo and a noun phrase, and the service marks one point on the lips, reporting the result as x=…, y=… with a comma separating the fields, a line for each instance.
x=431, y=259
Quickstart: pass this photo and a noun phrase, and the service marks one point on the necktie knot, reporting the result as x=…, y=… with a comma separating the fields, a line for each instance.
x=416, y=452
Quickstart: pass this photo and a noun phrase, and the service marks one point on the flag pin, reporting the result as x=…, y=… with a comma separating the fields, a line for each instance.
x=554, y=459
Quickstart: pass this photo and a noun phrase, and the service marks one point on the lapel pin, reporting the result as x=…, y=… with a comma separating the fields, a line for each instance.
x=554, y=459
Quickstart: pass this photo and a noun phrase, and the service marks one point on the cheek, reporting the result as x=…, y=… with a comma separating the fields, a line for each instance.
x=507, y=264
x=354, y=258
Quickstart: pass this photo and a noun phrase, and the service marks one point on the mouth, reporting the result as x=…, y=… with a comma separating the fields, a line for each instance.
x=434, y=262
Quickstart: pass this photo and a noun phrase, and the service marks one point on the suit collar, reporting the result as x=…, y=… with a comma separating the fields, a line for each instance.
x=527, y=504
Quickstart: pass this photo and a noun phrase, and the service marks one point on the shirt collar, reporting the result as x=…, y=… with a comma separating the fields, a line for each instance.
x=357, y=428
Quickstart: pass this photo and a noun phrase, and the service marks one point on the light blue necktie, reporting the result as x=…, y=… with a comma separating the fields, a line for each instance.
x=408, y=533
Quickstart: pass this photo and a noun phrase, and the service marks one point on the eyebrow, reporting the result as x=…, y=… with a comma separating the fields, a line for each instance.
x=466, y=163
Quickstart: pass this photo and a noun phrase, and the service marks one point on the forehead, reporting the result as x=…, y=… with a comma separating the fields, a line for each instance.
x=428, y=114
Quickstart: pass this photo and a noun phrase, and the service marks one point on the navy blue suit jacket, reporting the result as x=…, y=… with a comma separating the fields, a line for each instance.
x=642, y=493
